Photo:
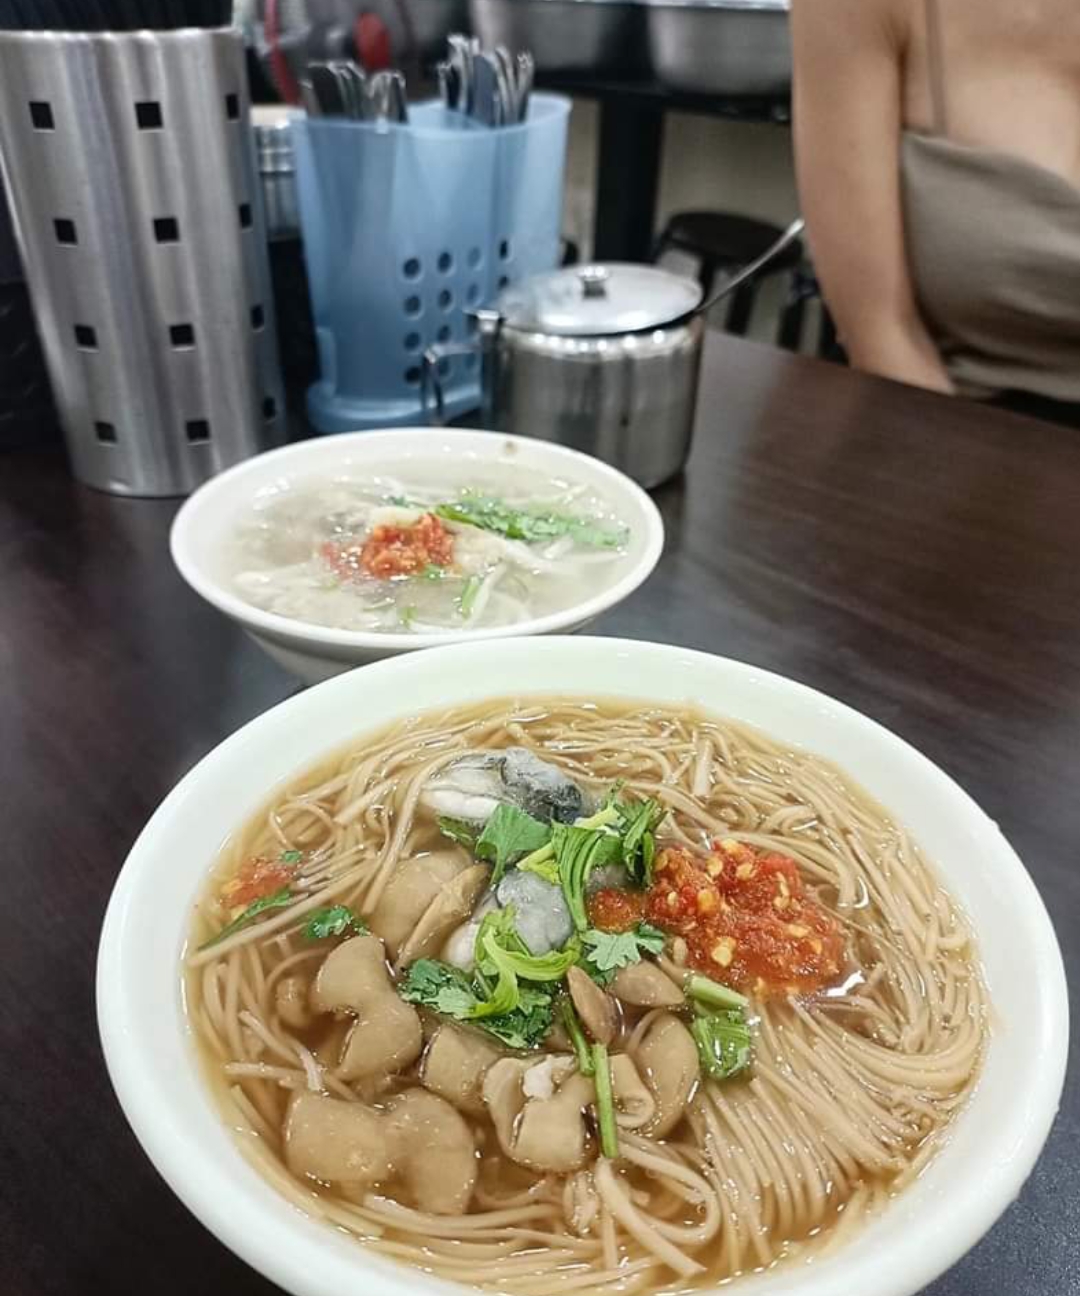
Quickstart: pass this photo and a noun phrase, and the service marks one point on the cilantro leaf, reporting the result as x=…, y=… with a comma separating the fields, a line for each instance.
x=508, y=834
x=455, y=1001
x=291, y=856
x=609, y=951
x=638, y=822
x=437, y=985
x=278, y=900
x=530, y=525
x=528, y=1025
x=458, y=831
x=723, y=1042
x=451, y=992
x=577, y=852
x=334, y=920
x=650, y=939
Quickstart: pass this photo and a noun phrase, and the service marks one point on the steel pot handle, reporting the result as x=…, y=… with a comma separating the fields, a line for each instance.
x=488, y=325
x=431, y=379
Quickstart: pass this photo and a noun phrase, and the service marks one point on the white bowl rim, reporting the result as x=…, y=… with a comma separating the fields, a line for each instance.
x=310, y=1267
x=314, y=635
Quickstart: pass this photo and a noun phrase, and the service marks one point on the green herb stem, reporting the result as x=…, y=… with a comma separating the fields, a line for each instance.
x=605, y=1102
x=468, y=596
x=704, y=990
x=276, y=901
x=577, y=1038
x=540, y=858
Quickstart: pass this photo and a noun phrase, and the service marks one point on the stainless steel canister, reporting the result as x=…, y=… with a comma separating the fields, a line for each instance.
x=130, y=170
x=272, y=127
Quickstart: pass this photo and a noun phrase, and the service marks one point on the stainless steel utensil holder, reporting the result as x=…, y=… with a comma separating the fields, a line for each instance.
x=131, y=175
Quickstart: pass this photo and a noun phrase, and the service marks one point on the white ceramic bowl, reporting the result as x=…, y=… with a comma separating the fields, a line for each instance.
x=992, y=1147
x=316, y=652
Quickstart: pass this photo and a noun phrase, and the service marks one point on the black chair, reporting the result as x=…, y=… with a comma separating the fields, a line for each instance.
x=722, y=243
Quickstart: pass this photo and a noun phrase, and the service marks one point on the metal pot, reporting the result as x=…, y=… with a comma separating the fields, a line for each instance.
x=602, y=358
x=566, y=35
x=721, y=47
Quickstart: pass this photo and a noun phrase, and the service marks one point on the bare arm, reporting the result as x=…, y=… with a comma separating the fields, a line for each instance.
x=848, y=93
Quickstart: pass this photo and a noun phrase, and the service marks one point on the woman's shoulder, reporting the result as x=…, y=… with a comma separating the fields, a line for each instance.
x=857, y=20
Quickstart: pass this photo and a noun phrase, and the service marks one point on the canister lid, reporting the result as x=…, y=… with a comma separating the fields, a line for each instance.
x=591, y=300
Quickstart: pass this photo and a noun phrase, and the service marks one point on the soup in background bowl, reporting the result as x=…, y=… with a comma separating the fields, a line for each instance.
x=338, y=551
x=863, y=1078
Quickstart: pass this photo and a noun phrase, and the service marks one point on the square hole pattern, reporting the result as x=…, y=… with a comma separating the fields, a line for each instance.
x=148, y=115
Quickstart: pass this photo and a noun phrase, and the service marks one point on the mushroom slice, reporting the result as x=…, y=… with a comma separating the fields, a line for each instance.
x=434, y=1152
x=414, y=885
x=667, y=1059
x=544, y=1133
x=593, y=1006
x=644, y=985
x=386, y=1035
x=453, y=903
x=635, y=1102
x=336, y=1141
x=455, y=1064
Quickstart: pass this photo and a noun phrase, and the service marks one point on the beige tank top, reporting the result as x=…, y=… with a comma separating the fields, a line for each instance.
x=993, y=244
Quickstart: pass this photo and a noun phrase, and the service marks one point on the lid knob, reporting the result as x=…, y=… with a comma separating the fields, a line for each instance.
x=594, y=280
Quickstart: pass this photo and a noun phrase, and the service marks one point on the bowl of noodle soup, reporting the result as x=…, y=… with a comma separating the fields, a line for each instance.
x=857, y=1106
x=341, y=550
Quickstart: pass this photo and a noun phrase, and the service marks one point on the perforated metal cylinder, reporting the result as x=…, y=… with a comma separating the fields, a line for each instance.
x=131, y=175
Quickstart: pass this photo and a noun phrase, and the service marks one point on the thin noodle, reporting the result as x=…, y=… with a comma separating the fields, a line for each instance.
x=850, y=1095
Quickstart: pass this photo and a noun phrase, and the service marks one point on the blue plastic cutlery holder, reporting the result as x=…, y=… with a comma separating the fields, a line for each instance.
x=406, y=229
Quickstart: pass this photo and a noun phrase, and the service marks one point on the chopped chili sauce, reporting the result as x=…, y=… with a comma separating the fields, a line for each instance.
x=746, y=919
x=257, y=877
x=611, y=910
x=392, y=550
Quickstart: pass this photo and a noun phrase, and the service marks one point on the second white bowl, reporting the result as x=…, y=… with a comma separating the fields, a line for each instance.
x=205, y=522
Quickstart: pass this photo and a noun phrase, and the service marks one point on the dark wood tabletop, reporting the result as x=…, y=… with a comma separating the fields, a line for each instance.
x=915, y=556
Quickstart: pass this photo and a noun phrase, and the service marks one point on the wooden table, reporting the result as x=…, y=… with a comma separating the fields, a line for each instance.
x=916, y=557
